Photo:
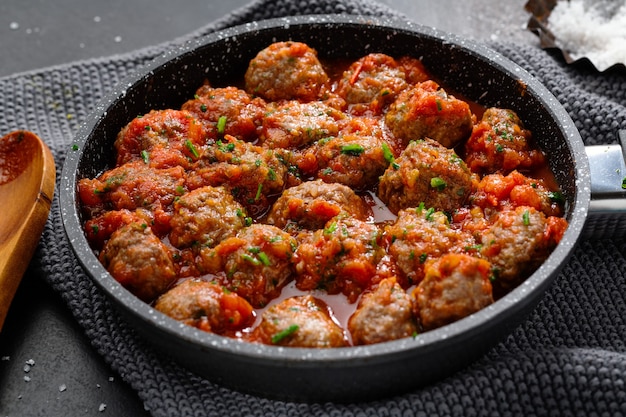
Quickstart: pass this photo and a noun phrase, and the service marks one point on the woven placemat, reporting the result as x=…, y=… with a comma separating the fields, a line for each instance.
x=568, y=358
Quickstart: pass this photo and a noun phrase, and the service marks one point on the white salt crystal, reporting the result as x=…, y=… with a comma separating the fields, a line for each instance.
x=584, y=32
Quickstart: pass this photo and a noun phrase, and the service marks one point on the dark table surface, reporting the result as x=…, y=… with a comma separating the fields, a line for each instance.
x=47, y=365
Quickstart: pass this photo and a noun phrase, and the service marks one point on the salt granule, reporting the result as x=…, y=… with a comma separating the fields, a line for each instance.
x=584, y=32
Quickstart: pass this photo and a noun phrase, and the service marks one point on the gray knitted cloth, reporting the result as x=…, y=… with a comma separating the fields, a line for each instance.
x=568, y=358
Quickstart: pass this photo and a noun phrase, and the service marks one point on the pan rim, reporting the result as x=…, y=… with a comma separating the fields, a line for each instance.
x=458, y=331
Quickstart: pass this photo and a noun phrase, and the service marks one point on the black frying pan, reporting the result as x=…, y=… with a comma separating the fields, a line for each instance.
x=339, y=374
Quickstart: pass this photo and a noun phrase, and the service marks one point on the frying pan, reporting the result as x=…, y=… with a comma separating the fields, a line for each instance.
x=337, y=374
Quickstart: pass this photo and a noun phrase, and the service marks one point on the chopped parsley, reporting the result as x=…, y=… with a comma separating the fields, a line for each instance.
x=429, y=214
x=221, y=125
x=353, y=149
x=438, y=183
x=389, y=156
x=557, y=196
x=331, y=228
x=192, y=148
x=278, y=337
x=145, y=156
x=258, y=192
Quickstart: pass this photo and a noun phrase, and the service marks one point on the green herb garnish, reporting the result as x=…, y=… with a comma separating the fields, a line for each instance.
x=438, y=183
x=557, y=196
x=192, y=148
x=265, y=260
x=278, y=337
x=221, y=125
x=353, y=149
x=387, y=153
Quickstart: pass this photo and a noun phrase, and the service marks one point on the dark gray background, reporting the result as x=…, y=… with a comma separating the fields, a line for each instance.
x=68, y=378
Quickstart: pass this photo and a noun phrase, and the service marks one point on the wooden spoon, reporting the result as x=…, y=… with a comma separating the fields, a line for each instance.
x=27, y=177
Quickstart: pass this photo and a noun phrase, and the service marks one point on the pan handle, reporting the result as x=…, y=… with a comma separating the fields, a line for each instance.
x=607, y=210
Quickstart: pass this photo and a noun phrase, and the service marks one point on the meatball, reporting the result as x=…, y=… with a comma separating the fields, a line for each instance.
x=293, y=124
x=374, y=80
x=312, y=204
x=499, y=143
x=384, y=314
x=135, y=185
x=516, y=243
x=341, y=258
x=301, y=321
x=419, y=235
x=227, y=111
x=427, y=111
x=454, y=286
x=138, y=260
x=256, y=264
x=252, y=173
x=356, y=158
x=160, y=138
x=204, y=217
x=286, y=71
x=426, y=172
x=206, y=306
x=497, y=191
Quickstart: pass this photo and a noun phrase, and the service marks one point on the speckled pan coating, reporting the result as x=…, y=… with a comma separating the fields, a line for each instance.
x=341, y=374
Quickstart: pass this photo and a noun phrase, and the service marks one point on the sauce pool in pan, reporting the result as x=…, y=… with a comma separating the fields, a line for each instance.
x=323, y=204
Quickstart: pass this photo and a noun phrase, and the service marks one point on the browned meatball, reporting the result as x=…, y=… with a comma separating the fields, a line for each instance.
x=427, y=111
x=419, y=235
x=313, y=203
x=499, y=143
x=137, y=185
x=252, y=173
x=374, y=81
x=227, y=111
x=384, y=314
x=160, y=138
x=301, y=321
x=138, y=260
x=286, y=71
x=426, y=172
x=454, y=286
x=293, y=124
x=516, y=243
x=356, y=158
x=256, y=264
x=341, y=258
x=205, y=305
x=204, y=217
